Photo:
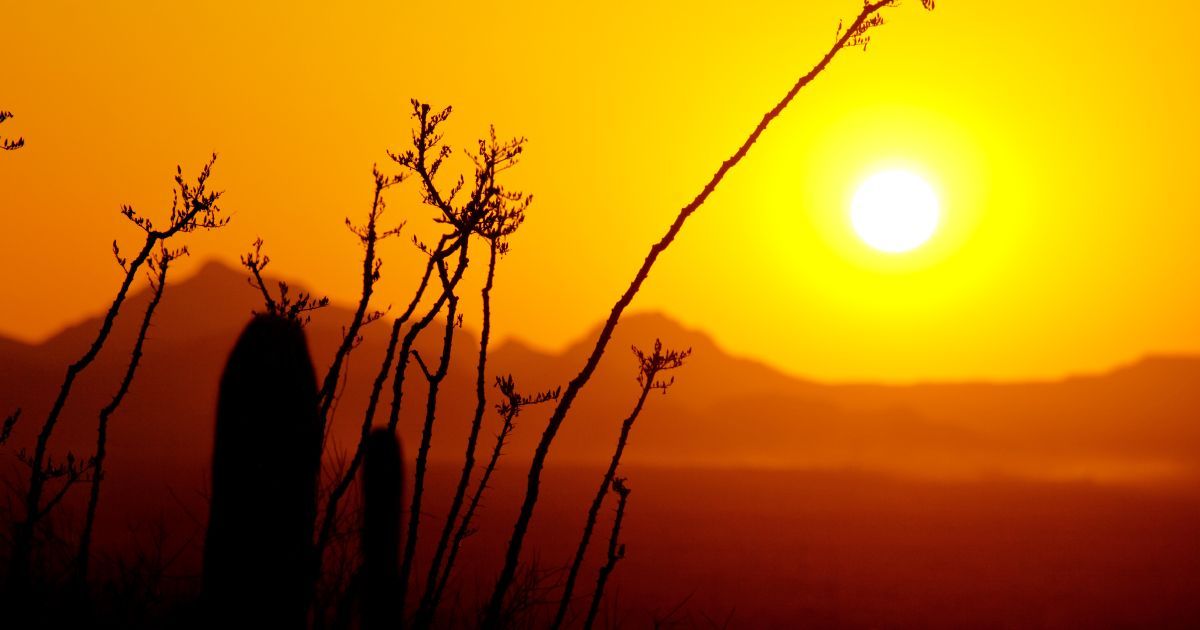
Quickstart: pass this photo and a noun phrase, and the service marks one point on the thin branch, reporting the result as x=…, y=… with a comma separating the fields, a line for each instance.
x=193, y=207
x=5, y=143
x=616, y=551
x=494, y=608
x=369, y=235
x=10, y=422
x=296, y=309
x=431, y=401
x=158, y=282
x=347, y=478
x=509, y=409
x=70, y=472
x=649, y=367
x=430, y=600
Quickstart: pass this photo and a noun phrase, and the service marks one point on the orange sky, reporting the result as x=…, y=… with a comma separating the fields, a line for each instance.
x=1061, y=143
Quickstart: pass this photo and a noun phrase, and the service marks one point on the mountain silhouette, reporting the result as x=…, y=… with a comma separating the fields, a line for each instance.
x=930, y=505
x=724, y=411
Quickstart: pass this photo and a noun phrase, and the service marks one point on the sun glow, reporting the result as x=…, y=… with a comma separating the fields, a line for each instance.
x=894, y=211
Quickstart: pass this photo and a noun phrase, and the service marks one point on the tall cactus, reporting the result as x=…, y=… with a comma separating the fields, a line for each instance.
x=258, y=555
x=383, y=494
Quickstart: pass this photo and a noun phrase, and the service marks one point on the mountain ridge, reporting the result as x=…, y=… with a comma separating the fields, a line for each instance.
x=724, y=410
x=213, y=276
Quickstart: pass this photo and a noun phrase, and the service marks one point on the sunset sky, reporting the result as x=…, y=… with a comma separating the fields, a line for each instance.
x=1061, y=143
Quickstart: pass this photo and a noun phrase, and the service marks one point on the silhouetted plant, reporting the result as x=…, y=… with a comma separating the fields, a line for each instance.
x=649, y=367
x=486, y=195
x=158, y=267
x=369, y=235
x=501, y=222
x=383, y=496
x=508, y=408
x=266, y=457
x=293, y=308
x=616, y=552
x=143, y=589
x=486, y=209
x=5, y=143
x=424, y=161
x=346, y=477
x=486, y=199
x=70, y=470
x=434, y=380
x=490, y=210
x=533, y=590
x=331, y=511
x=193, y=208
x=10, y=422
x=261, y=556
x=851, y=35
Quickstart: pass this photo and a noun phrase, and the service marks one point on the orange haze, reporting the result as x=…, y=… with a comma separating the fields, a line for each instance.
x=1061, y=142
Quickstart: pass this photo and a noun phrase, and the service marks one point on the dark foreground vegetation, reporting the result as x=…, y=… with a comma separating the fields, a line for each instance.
x=295, y=529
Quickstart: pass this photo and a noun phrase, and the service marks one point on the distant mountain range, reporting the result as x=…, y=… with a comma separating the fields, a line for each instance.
x=1139, y=422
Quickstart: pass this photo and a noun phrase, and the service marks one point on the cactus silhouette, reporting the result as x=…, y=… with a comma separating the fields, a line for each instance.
x=258, y=555
x=383, y=494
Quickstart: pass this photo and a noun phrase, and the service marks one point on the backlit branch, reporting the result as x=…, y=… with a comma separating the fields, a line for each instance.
x=434, y=380
x=616, y=552
x=157, y=277
x=193, y=208
x=5, y=143
x=495, y=606
x=478, y=213
x=508, y=408
x=492, y=157
x=650, y=365
x=296, y=308
x=503, y=218
x=347, y=477
x=10, y=422
x=369, y=235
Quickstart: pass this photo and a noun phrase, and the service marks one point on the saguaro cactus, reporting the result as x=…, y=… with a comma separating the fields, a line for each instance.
x=383, y=494
x=258, y=555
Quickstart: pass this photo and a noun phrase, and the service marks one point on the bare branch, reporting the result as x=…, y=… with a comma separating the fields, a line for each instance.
x=649, y=366
x=5, y=143
x=296, y=309
x=369, y=235
x=431, y=401
x=494, y=608
x=158, y=281
x=509, y=409
x=616, y=552
x=9, y=423
x=193, y=208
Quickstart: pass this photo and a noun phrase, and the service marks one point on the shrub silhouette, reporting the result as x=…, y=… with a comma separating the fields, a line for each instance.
x=258, y=556
x=508, y=408
x=497, y=227
x=193, y=208
x=159, y=265
x=650, y=365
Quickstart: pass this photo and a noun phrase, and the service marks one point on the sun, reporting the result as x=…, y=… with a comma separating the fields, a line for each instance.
x=894, y=211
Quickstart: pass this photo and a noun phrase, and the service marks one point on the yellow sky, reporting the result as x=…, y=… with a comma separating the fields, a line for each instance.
x=1062, y=143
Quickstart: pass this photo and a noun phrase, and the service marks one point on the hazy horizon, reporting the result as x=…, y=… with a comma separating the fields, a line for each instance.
x=842, y=314
x=1066, y=247
x=586, y=333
